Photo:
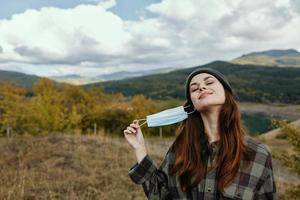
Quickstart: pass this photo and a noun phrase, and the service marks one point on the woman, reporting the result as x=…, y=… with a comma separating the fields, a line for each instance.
x=211, y=158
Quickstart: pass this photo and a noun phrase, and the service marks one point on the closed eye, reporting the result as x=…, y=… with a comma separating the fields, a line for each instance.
x=194, y=87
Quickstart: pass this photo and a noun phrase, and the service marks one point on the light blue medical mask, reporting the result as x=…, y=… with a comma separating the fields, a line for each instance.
x=166, y=117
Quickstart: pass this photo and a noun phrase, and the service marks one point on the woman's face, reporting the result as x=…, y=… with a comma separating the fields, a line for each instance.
x=206, y=91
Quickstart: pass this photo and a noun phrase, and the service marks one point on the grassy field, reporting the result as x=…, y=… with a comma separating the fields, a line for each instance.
x=66, y=167
x=80, y=167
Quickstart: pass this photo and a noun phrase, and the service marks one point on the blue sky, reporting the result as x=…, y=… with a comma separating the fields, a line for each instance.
x=94, y=37
x=126, y=9
x=8, y=8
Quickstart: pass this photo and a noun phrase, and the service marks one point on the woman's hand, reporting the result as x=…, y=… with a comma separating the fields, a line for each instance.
x=134, y=137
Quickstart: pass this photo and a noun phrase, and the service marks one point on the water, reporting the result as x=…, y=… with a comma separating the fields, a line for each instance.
x=257, y=124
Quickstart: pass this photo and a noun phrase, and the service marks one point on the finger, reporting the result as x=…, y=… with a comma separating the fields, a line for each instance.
x=131, y=129
x=127, y=132
x=136, y=126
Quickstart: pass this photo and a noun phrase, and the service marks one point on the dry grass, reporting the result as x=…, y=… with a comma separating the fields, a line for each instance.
x=78, y=167
x=66, y=167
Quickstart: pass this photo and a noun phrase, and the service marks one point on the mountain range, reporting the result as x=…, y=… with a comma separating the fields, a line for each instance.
x=280, y=58
x=81, y=80
x=18, y=78
x=252, y=82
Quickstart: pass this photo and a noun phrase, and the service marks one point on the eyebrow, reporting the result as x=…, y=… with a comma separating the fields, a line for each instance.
x=203, y=80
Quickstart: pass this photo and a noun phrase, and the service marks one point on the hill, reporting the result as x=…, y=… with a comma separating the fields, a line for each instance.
x=20, y=79
x=278, y=143
x=280, y=58
x=273, y=137
x=252, y=83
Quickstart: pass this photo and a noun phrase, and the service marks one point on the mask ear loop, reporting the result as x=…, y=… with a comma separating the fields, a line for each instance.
x=143, y=123
x=191, y=111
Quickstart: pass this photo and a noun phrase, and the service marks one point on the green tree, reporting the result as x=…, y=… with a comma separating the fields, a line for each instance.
x=115, y=119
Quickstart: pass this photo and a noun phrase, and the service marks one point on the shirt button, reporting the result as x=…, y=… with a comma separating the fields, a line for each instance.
x=209, y=188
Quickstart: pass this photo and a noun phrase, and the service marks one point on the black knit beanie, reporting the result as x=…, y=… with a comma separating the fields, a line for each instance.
x=211, y=71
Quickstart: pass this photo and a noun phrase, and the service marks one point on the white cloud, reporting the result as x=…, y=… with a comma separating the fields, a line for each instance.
x=191, y=9
x=230, y=27
x=57, y=35
x=106, y=4
x=295, y=5
x=89, y=39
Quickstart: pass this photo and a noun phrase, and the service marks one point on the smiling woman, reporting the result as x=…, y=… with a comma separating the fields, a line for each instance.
x=211, y=158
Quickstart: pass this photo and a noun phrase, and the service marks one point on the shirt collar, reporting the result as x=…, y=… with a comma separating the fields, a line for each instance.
x=213, y=147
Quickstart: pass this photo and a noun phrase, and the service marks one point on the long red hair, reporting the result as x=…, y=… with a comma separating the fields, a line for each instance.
x=191, y=147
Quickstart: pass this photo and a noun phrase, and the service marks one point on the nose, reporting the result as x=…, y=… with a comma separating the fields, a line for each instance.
x=202, y=88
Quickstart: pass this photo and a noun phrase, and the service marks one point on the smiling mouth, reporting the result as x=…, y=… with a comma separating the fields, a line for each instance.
x=204, y=95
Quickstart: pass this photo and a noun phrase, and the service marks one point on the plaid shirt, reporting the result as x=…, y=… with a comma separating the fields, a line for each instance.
x=253, y=182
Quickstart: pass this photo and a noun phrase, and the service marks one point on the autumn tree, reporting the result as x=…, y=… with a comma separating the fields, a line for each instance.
x=47, y=106
x=141, y=106
x=98, y=102
x=12, y=108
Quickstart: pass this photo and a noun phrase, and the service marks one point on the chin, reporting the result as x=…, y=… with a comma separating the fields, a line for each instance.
x=206, y=105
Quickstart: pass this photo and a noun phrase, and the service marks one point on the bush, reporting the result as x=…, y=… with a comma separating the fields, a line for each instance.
x=292, y=161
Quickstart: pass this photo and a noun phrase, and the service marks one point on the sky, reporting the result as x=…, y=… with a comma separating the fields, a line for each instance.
x=95, y=37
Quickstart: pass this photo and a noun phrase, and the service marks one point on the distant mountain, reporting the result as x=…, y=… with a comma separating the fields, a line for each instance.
x=81, y=80
x=20, y=79
x=126, y=74
x=66, y=77
x=280, y=58
x=74, y=79
x=252, y=83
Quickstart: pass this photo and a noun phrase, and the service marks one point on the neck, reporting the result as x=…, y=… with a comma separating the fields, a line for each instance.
x=211, y=124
